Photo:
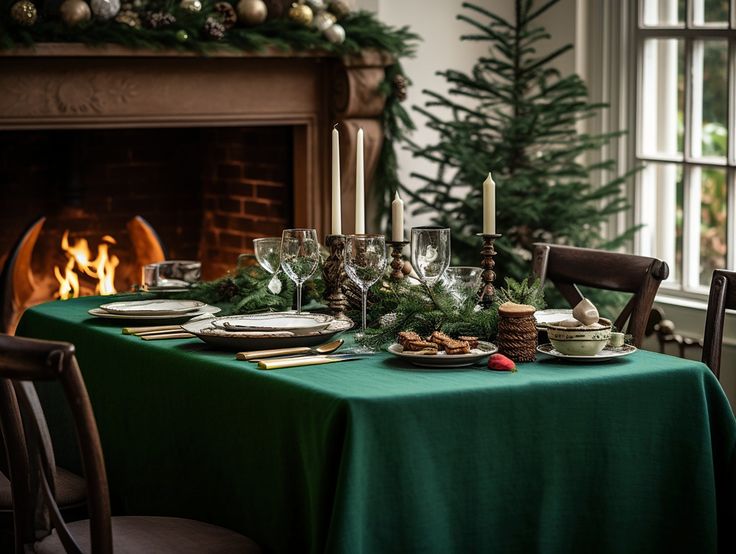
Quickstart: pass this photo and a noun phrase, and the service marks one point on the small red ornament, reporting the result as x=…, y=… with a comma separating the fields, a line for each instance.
x=500, y=362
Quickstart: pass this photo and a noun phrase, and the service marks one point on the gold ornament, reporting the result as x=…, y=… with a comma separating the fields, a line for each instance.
x=340, y=8
x=24, y=13
x=129, y=18
x=252, y=12
x=301, y=13
x=191, y=6
x=74, y=12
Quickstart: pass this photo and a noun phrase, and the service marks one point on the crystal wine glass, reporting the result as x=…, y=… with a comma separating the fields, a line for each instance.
x=365, y=262
x=299, y=257
x=430, y=252
x=462, y=282
x=268, y=254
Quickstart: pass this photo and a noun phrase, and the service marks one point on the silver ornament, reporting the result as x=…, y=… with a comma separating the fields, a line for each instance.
x=316, y=5
x=105, y=9
x=274, y=285
x=335, y=34
x=323, y=20
x=192, y=6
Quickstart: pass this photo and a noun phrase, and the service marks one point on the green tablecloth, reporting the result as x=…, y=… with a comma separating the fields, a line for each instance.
x=374, y=456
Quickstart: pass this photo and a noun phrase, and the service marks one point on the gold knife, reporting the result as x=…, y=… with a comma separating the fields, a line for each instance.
x=280, y=363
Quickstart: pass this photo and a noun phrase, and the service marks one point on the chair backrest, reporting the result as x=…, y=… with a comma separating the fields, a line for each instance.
x=722, y=297
x=23, y=361
x=568, y=266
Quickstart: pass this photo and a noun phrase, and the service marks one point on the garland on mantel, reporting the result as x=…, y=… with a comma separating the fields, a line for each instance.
x=217, y=26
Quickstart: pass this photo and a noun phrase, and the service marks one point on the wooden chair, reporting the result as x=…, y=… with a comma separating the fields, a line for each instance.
x=722, y=297
x=567, y=267
x=39, y=526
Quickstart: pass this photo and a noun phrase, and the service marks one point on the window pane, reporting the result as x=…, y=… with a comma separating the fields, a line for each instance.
x=662, y=97
x=662, y=215
x=710, y=99
x=664, y=13
x=709, y=12
x=713, y=223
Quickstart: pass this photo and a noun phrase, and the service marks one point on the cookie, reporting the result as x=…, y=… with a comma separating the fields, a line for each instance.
x=406, y=336
x=472, y=341
x=417, y=345
x=439, y=338
x=457, y=347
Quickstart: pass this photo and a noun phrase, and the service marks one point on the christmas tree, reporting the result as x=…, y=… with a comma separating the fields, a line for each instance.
x=514, y=114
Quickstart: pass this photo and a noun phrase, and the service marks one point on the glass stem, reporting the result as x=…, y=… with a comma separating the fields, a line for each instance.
x=365, y=301
x=298, y=298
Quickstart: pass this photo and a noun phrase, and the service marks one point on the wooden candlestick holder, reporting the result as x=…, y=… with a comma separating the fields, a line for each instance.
x=334, y=276
x=397, y=264
x=487, y=290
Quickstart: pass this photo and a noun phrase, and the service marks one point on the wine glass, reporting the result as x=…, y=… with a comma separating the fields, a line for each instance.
x=268, y=254
x=299, y=257
x=462, y=282
x=430, y=252
x=365, y=262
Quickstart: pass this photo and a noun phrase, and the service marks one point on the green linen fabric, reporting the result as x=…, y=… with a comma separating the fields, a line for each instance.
x=376, y=456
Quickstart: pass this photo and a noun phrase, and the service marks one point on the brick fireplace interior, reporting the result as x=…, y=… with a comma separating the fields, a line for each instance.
x=207, y=191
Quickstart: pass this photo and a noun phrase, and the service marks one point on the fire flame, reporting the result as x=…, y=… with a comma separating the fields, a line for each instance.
x=102, y=268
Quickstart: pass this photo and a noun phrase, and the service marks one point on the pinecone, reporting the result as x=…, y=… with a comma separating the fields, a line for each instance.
x=214, y=29
x=228, y=289
x=129, y=18
x=355, y=297
x=156, y=20
x=225, y=13
x=400, y=87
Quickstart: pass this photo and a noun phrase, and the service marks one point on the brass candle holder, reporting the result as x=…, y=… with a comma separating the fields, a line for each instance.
x=334, y=276
x=487, y=290
x=397, y=264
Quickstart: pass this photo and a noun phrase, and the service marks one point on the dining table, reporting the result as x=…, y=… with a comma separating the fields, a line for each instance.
x=376, y=455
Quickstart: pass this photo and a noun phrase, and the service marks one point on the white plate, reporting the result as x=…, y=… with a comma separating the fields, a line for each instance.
x=546, y=317
x=298, y=324
x=153, y=307
x=262, y=340
x=176, y=318
x=605, y=355
x=164, y=289
x=442, y=360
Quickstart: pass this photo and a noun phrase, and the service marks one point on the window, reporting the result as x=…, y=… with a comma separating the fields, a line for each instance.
x=686, y=137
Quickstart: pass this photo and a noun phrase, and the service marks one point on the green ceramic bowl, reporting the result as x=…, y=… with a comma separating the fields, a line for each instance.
x=580, y=341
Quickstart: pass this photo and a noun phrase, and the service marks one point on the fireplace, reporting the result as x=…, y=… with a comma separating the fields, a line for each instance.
x=169, y=154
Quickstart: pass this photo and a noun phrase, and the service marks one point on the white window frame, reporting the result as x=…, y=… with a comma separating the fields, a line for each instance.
x=688, y=287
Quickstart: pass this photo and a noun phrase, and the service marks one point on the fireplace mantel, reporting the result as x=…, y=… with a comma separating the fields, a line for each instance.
x=73, y=86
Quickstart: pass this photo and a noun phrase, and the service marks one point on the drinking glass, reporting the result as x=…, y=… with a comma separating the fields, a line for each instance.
x=365, y=262
x=430, y=252
x=462, y=282
x=299, y=257
x=268, y=254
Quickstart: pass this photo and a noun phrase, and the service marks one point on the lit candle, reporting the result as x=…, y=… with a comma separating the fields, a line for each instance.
x=359, y=187
x=336, y=201
x=489, y=206
x=397, y=219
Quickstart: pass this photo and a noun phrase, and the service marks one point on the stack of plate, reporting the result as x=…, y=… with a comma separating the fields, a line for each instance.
x=156, y=309
x=267, y=331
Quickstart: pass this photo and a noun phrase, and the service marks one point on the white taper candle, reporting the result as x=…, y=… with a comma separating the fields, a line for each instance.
x=336, y=228
x=397, y=219
x=359, y=187
x=489, y=205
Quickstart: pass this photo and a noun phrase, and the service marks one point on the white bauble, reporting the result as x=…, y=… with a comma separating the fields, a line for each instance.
x=105, y=9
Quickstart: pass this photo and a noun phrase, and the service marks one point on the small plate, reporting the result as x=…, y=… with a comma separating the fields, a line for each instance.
x=153, y=307
x=607, y=354
x=297, y=324
x=175, y=318
x=240, y=341
x=442, y=360
x=547, y=317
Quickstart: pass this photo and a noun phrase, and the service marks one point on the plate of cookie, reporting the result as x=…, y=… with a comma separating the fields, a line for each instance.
x=441, y=351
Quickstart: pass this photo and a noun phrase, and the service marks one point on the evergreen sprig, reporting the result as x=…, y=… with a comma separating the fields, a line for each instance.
x=516, y=115
x=410, y=307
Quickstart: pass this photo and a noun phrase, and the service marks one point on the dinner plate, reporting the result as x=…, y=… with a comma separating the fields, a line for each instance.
x=298, y=324
x=607, y=354
x=441, y=360
x=175, y=318
x=153, y=307
x=262, y=340
x=546, y=317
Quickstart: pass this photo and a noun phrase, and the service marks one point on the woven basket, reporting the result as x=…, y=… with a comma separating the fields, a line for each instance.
x=517, y=332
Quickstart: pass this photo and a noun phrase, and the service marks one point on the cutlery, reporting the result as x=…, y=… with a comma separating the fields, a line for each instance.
x=163, y=332
x=138, y=330
x=257, y=355
x=279, y=363
x=165, y=336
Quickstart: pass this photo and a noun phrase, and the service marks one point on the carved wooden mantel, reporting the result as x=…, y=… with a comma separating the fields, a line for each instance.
x=65, y=86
